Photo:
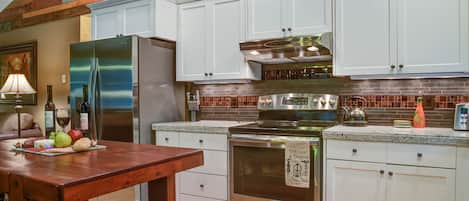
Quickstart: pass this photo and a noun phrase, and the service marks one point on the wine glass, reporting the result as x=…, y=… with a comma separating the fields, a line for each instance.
x=63, y=117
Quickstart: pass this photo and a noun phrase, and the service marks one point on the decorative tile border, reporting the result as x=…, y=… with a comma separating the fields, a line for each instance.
x=375, y=102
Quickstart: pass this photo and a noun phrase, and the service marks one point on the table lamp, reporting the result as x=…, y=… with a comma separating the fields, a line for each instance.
x=17, y=84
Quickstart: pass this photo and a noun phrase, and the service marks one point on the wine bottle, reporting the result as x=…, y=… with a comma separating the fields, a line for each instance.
x=84, y=111
x=49, y=113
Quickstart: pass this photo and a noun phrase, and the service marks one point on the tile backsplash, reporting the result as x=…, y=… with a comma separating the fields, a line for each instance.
x=386, y=99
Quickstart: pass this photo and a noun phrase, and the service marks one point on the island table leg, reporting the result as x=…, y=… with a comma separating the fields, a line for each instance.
x=163, y=189
x=16, y=188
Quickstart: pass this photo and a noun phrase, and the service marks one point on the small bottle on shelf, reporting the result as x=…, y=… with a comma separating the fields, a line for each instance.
x=419, y=116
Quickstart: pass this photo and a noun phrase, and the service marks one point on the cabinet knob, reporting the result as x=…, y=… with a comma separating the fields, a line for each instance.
x=202, y=186
x=289, y=29
x=381, y=172
x=401, y=66
x=201, y=141
x=166, y=139
x=206, y=74
x=210, y=74
x=283, y=30
x=354, y=151
x=419, y=155
x=390, y=174
x=393, y=66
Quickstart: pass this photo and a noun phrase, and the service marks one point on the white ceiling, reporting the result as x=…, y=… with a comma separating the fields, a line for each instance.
x=4, y=4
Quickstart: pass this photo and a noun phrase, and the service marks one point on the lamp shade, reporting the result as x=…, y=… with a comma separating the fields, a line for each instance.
x=17, y=84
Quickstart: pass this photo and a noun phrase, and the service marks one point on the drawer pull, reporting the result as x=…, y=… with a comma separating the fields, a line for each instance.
x=201, y=141
x=390, y=174
x=419, y=155
x=202, y=186
x=381, y=172
x=166, y=139
x=354, y=151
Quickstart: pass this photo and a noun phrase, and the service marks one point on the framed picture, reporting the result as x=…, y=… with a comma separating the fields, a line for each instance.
x=19, y=58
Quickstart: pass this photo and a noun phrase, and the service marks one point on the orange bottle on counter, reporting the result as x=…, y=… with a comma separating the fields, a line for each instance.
x=419, y=116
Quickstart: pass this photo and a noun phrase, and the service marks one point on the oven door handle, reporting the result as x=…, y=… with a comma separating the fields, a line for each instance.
x=270, y=139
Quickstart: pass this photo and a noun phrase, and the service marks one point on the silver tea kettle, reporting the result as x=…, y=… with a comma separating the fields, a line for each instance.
x=355, y=115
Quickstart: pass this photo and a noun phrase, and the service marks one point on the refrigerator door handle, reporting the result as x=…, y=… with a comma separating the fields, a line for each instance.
x=93, y=128
x=99, y=105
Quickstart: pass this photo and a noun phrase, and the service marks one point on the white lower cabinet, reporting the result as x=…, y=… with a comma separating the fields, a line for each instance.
x=462, y=179
x=205, y=183
x=184, y=197
x=407, y=173
x=355, y=181
x=407, y=183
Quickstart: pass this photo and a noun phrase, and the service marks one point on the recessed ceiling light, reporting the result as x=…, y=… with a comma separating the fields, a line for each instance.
x=254, y=52
x=312, y=49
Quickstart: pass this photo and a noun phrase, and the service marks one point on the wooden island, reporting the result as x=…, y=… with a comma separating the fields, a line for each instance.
x=82, y=176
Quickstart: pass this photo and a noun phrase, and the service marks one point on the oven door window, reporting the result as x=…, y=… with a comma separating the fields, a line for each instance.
x=260, y=172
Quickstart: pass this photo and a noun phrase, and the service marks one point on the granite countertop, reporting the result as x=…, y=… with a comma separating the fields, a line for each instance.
x=434, y=136
x=220, y=127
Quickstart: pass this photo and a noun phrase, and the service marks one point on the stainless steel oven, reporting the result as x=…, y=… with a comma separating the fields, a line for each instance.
x=258, y=169
x=257, y=151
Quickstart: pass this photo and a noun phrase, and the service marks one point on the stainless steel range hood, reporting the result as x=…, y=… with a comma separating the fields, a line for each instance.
x=290, y=49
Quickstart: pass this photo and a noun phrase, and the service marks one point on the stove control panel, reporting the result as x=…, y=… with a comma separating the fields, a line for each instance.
x=298, y=102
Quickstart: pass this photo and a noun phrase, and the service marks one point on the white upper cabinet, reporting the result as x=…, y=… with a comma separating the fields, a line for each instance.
x=432, y=36
x=106, y=23
x=280, y=18
x=362, y=37
x=228, y=30
x=307, y=17
x=265, y=19
x=138, y=18
x=401, y=37
x=146, y=18
x=192, y=47
x=209, y=33
x=406, y=183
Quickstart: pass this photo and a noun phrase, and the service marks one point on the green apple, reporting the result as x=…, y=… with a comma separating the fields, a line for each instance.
x=62, y=140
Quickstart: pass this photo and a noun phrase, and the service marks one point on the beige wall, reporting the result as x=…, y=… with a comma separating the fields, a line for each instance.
x=53, y=59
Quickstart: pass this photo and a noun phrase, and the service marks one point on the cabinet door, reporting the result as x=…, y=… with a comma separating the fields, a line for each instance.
x=354, y=181
x=227, y=30
x=307, y=17
x=407, y=183
x=432, y=36
x=363, y=40
x=107, y=23
x=462, y=175
x=192, y=46
x=266, y=19
x=139, y=18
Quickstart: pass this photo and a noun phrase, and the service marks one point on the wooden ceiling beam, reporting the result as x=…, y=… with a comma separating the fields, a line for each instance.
x=58, y=8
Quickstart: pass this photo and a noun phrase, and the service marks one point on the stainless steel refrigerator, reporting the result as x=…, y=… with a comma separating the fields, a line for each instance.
x=131, y=84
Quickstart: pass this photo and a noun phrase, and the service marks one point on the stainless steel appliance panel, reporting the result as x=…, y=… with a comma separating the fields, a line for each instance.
x=81, y=63
x=114, y=89
x=158, y=92
x=461, y=116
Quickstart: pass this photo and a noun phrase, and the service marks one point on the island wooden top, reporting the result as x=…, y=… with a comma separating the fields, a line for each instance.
x=97, y=169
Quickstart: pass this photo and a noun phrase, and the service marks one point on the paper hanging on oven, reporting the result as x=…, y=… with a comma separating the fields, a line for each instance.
x=297, y=164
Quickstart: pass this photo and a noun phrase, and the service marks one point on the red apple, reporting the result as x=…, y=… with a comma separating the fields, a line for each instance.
x=75, y=134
